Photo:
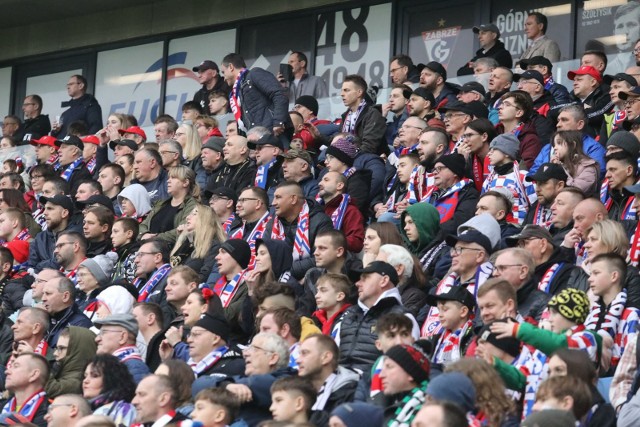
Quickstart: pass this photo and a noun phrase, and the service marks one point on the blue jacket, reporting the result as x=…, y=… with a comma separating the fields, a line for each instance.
x=264, y=102
x=41, y=248
x=137, y=368
x=590, y=146
x=86, y=109
x=70, y=316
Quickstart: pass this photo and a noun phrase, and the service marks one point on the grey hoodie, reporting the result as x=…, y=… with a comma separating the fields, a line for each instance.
x=138, y=195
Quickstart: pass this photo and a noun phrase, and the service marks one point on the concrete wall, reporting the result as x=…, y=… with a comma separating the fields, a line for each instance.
x=142, y=20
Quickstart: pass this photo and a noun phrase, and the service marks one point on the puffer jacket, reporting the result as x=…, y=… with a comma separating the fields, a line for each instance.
x=531, y=300
x=590, y=146
x=86, y=109
x=170, y=236
x=318, y=221
x=596, y=105
x=66, y=376
x=370, y=128
x=263, y=101
x=358, y=333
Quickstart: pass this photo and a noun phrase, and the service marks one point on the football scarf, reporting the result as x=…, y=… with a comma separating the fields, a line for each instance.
x=227, y=290
x=66, y=174
x=301, y=246
x=480, y=171
x=30, y=407
x=256, y=233
x=325, y=393
x=409, y=407
x=234, y=99
x=549, y=275
x=634, y=247
x=262, y=174
x=227, y=224
x=91, y=164
x=448, y=347
x=542, y=216
x=23, y=235
x=349, y=125
x=446, y=203
x=628, y=213
x=157, y=276
x=376, y=381
x=208, y=361
x=338, y=215
x=129, y=352
x=54, y=161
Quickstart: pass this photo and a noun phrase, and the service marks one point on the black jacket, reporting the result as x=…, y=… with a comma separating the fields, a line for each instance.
x=13, y=293
x=568, y=275
x=358, y=186
x=318, y=221
x=370, y=128
x=596, y=105
x=37, y=127
x=85, y=109
x=78, y=175
x=531, y=300
x=42, y=246
x=235, y=177
x=70, y=316
x=497, y=52
x=263, y=100
x=202, y=95
x=99, y=248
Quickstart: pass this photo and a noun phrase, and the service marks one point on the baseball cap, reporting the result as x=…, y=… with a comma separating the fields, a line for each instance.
x=207, y=64
x=536, y=60
x=509, y=345
x=547, y=171
x=530, y=231
x=470, y=236
x=126, y=320
x=632, y=93
x=96, y=199
x=456, y=106
x=91, y=139
x=70, y=140
x=58, y=200
x=620, y=77
x=455, y=293
x=426, y=94
x=267, y=139
x=473, y=87
x=530, y=75
x=294, y=153
x=45, y=140
x=437, y=67
x=126, y=142
x=214, y=143
x=222, y=191
x=382, y=268
x=137, y=130
x=585, y=70
x=487, y=27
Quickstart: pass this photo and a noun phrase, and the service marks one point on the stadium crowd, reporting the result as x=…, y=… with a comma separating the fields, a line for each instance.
x=454, y=256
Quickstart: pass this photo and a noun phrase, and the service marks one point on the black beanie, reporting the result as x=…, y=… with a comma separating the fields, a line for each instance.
x=454, y=162
x=509, y=345
x=310, y=102
x=413, y=361
x=239, y=250
x=216, y=324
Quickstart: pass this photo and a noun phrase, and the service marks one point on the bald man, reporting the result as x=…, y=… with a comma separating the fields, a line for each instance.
x=585, y=214
x=238, y=171
x=67, y=410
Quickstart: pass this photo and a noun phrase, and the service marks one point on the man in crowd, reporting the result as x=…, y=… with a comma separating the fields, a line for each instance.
x=297, y=166
x=422, y=104
x=111, y=178
x=490, y=46
x=402, y=71
x=25, y=380
x=155, y=402
x=535, y=28
x=165, y=127
x=82, y=107
x=396, y=110
x=562, y=212
x=69, y=252
x=210, y=79
x=148, y=171
x=361, y=118
x=433, y=77
x=72, y=166
x=588, y=92
x=301, y=83
x=268, y=161
x=550, y=178
x=58, y=298
x=66, y=410
x=212, y=158
x=238, y=170
x=544, y=66
x=35, y=123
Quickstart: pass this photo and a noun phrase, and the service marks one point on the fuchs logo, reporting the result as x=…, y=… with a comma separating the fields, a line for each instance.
x=178, y=58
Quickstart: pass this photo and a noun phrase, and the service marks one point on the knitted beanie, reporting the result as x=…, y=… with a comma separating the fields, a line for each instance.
x=354, y=414
x=101, y=266
x=572, y=304
x=215, y=323
x=507, y=144
x=455, y=387
x=343, y=150
x=310, y=102
x=413, y=361
x=454, y=162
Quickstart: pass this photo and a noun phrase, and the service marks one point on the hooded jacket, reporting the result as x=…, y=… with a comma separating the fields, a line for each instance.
x=342, y=391
x=138, y=196
x=66, y=376
x=427, y=220
x=170, y=236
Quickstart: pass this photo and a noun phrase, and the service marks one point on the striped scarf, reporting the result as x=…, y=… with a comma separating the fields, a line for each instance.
x=30, y=407
x=338, y=215
x=227, y=224
x=129, y=352
x=234, y=99
x=448, y=348
x=301, y=245
x=256, y=233
x=157, y=276
x=349, y=125
x=66, y=174
x=262, y=174
x=226, y=290
x=208, y=361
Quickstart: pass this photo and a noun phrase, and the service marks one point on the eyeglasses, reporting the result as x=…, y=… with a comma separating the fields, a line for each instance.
x=244, y=199
x=162, y=153
x=439, y=169
x=36, y=177
x=103, y=331
x=61, y=244
x=55, y=405
x=508, y=104
x=216, y=198
x=252, y=347
x=636, y=51
x=141, y=254
x=469, y=135
x=449, y=116
x=60, y=348
x=28, y=103
x=458, y=250
x=529, y=81
x=71, y=84
x=9, y=124
x=500, y=268
x=631, y=101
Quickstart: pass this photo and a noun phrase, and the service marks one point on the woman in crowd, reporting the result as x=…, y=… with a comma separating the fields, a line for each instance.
x=94, y=275
x=126, y=161
x=204, y=124
x=109, y=387
x=608, y=236
x=198, y=242
x=187, y=136
x=37, y=176
x=118, y=298
x=182, y=378
x=376, y=235
x=115, y=122
x=272, y=264
x=582, y=170
x=165, y=217
x=578, y=364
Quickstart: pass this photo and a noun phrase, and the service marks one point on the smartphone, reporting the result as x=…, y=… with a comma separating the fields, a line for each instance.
x=287, y=72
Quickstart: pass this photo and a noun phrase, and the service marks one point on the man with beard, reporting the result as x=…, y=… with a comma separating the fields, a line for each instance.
x=343, y=212
x=550, y=178
x=210, y=79
x=69, y=252
x=433, y=77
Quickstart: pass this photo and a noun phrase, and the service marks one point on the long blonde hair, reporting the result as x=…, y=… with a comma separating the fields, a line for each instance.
x=184, y=173
x=193, y=146
x=208, y=230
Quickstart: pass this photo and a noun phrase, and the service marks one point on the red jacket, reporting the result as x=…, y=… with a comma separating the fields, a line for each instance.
x=352, y=224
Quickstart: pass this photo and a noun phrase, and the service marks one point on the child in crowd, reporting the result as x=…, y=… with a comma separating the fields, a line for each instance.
x=292, y=399
x=610, y=313
x=456, y=311
x=506, y=173
x=124, y=235
x=404, y=189
x=393, y=329
x=567, y=313
x=13, y=166
x=583, y=172
x=134, y=202
x=215, y=407
x=331, y=299
x=566, y=393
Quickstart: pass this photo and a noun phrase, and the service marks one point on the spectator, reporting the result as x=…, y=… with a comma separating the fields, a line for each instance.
x=72, y=165
x=69, y=252
x=582, y=171
x=549, y=179
x=82, y=107
x=566, y=393
x=535, y=28
x=331, y=300
x=499, y=204
x=361, y=119
x=490, y=46
x=239, y=171
x=621, y=172
x=301, y=83
x=25, y=379
x=402, y=70
x=165, y=127
x=35, y=123
x=211, y=80
x=396, y=111
x=152, y=268
x=615, y=120
x=31, y=326
x=544, y=66
x=422, y=104
x=500, y=82
x=212, y=160
x=298, y=166
x=215, y=407
x=433, y=77
x=148, y=171
x=73, y=407
x=58, y=299
x=155, y=401
x=588, y=92
x=75, y=348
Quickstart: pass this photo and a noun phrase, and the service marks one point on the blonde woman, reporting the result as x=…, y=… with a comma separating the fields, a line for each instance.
x=165, y=217
x=188, y=138
x=199, y=249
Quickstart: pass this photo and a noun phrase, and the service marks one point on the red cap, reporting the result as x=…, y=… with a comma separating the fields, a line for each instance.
x=214, y=132
x=585, y=70
x=306, y=137
x=133, y=129
x=92, y=139
x=19, y=249
x=45, y=140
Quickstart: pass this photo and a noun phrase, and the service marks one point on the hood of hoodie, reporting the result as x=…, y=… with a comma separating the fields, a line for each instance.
x=427, y=220
x=138, y=195
x=344, y=376
x=82, y=347
x=281, y=255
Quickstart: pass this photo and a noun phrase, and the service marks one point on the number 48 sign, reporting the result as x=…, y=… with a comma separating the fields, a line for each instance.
x=354, y=41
